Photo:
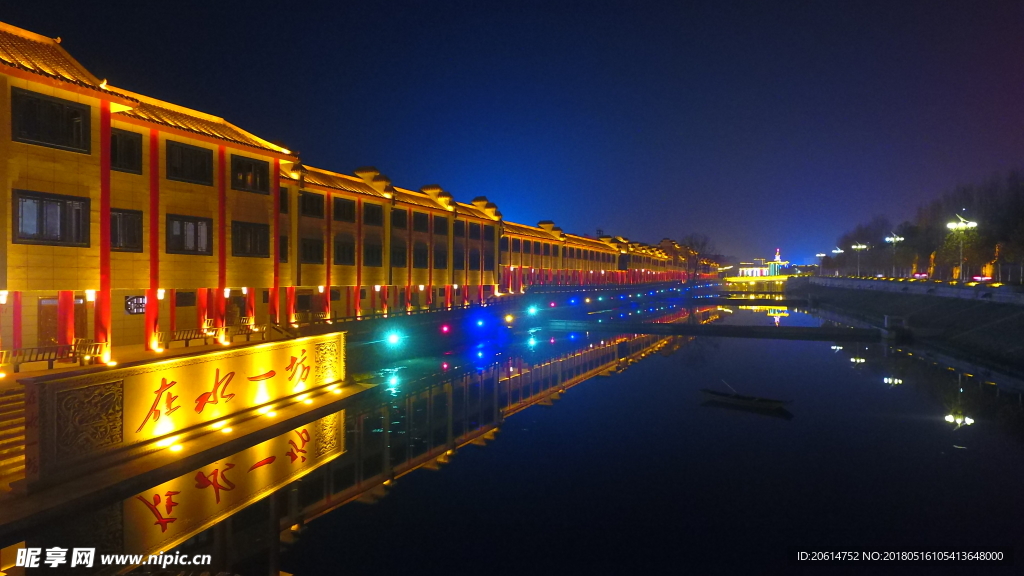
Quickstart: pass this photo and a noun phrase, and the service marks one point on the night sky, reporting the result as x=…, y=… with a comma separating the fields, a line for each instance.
x=760, y=125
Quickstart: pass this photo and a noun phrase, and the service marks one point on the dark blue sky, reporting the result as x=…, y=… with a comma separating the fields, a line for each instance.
x=760, y=125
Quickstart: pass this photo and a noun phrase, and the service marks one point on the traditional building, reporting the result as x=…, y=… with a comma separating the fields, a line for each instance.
x=130, y=217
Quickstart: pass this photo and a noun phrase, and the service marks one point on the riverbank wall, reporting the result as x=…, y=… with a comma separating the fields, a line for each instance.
x=983, y=329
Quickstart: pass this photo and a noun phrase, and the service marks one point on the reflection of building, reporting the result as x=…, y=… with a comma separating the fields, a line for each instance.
x=282, y=483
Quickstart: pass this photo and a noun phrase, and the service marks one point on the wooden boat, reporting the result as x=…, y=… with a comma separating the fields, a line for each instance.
x=741, y=400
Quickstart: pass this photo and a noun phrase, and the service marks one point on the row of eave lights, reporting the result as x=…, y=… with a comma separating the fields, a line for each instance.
x=172, y=442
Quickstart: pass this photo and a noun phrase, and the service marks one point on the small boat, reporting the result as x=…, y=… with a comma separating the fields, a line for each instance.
x=741, y=400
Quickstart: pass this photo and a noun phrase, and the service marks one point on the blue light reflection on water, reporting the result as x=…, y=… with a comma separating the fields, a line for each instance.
x=631, y=472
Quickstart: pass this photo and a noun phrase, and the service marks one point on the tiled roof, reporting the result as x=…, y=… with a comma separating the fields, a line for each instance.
x=524, y=230
x=40, y=55
x=174, y=116
x=593, y=243
x=416, y=199
x=470, y=210
x=328, y=179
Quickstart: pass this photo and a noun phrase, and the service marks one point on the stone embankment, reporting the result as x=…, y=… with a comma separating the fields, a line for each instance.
x=969, y=322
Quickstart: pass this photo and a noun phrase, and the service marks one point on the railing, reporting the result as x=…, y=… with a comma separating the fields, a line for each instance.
x=83, y=351
x=312, y=318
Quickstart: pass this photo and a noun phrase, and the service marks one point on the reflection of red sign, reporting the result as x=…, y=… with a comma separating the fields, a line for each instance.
x=213, y=479
x=297, y=449
x=154, y=507
x=213, y=396
x=154, y=411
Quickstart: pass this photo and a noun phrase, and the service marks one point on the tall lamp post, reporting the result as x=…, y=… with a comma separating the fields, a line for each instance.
x=837, y=252
x=894, y=239
x=821, y=258
x=962, y=227
x=858, y=247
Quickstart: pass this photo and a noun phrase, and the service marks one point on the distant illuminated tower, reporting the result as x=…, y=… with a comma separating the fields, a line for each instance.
x=777, y=264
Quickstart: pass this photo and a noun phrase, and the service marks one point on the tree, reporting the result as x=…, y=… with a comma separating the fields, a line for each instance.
x=700, y=245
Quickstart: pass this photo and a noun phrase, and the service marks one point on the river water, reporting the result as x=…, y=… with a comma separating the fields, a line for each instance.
x=527, y=452
x=632, y=472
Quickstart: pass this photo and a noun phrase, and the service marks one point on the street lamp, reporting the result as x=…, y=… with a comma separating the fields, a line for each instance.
x=837, y=252
x=858, y=248
x=894, y=239
x=821, y=260
x=962, y=227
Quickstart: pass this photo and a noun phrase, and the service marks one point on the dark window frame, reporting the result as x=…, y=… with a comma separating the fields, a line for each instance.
x=282, y=200
x=399, y=220
x=170, y=146
x=420, y=255
x=459, y=229
x=440, y=257
x=258, y=169
x=371, y=216
x=259, y=237
x=344, y=250
x=314, y=245
x=64, y=205
x=116, y=234
x=122, y=144
x=170, y=218
x=343, y=209
x=282, y=249
x=420, y=222
x=399, y=254
x=488, y=233
x=373, y=254
x=440, y=225
x=311, y=204
x=77, y=140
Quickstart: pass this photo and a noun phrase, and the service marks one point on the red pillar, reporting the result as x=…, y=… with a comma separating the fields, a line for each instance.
x=384, y=299
x=16, y=319
x=329, y=258
x=152, y=304
x=250, y=303
x=202, y=305
x=219, y=307
x=65, y=317
x=101, y=312
x=275, y=242
x=289, y=303
x=447, y=295
x=222, y=252
x=152, y=320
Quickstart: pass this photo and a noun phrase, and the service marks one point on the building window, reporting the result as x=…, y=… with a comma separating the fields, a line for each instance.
x=250, y=175
x=50, y=219
x=373, y=254
x=547, y=249
x=420, y=222
x=373, y=214
x=311, y=251
x=250, y=240
x=440, y=225
x=440, y=257
x=187, y=163
x=459, y=229
x=516, y=245
x=536, y=248
x=344, y=250
x=344, y=210
x=554, y=251
x=49, y=121
x=489, y=233
x=282, y=249
x=399, y=219
x=420, y=255
x=311, y=204
x=474, y=259
x=458, y=259
x=126, y=230
x=189, y=235
x=526, y=246
x=474, y=231
x=184, y=299
x=488, y=261
x=503, y=244
x=282, y=201
x=398, y=255
x=125, y=151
